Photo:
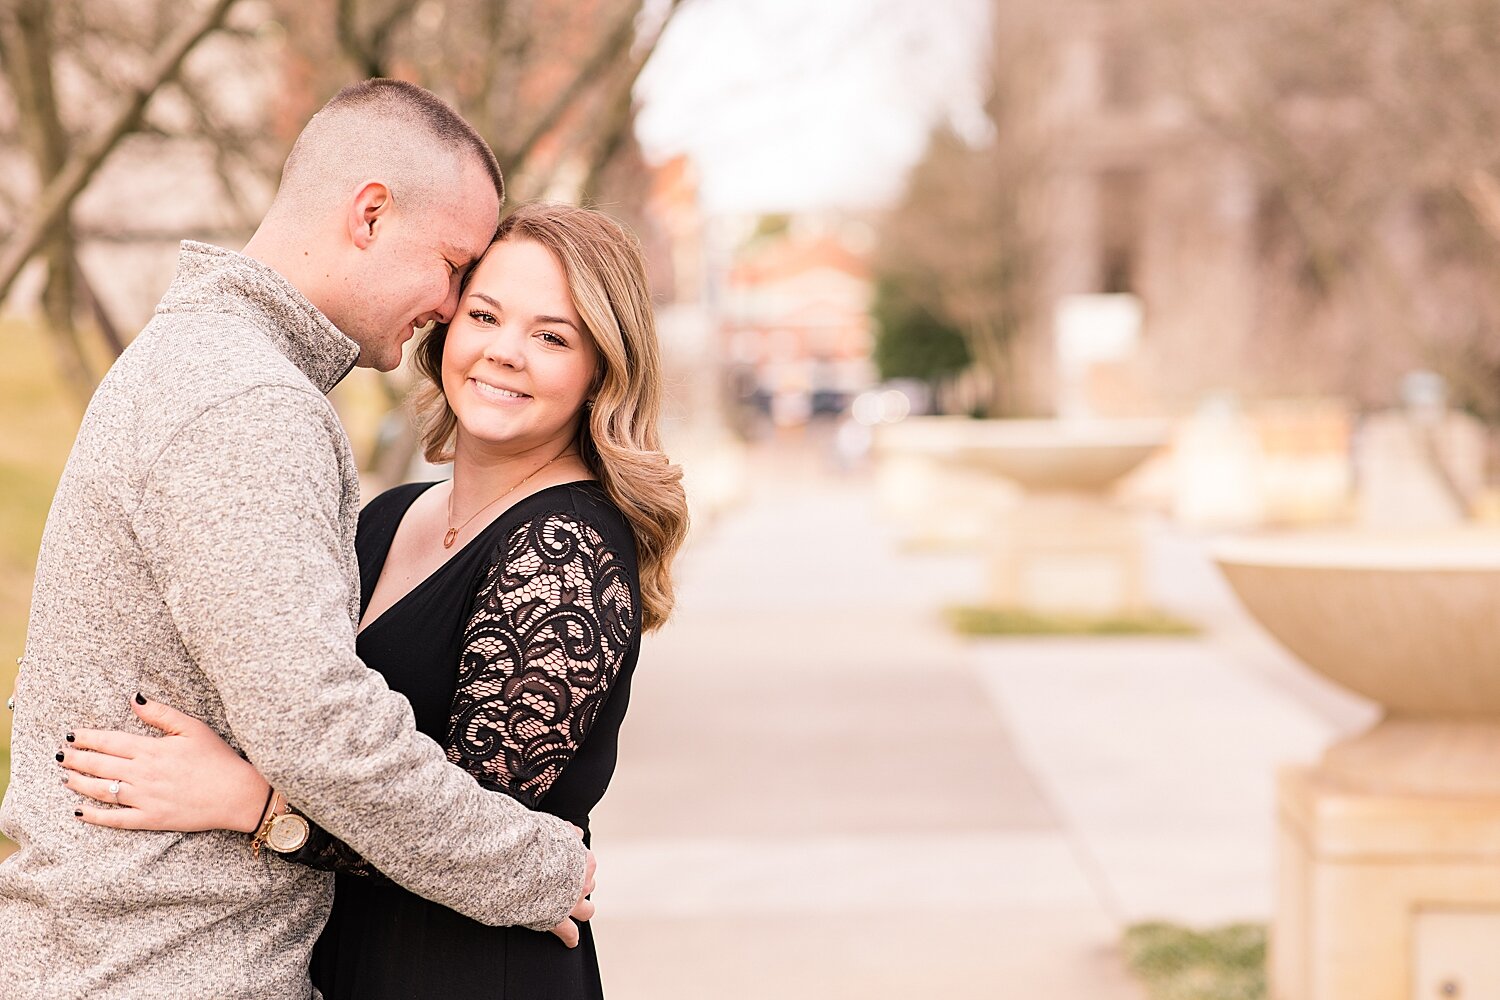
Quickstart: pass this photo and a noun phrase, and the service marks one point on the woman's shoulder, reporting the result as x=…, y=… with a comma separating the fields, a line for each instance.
x=387, y=509
x=397, y=498
x=585, y=502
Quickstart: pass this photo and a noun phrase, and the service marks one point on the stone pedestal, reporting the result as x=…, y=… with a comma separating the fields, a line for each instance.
x=1388, y=851
x=1064, y=548
x=1384, y=896
x=1067, y=554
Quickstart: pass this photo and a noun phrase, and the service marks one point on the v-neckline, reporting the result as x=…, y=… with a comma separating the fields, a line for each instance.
x=437, y=571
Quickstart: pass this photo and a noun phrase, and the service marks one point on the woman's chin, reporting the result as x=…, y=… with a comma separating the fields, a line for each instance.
x=494, y=439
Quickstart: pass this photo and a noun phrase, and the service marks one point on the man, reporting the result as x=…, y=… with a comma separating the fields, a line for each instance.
x=200, y=550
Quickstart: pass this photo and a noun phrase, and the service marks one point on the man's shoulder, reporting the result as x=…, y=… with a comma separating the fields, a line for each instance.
x=204, y=357
x=186, y=367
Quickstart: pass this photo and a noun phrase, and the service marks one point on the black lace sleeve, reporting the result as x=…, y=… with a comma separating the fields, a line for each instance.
x=551, y=625
x=550, y=629
x=325, y=851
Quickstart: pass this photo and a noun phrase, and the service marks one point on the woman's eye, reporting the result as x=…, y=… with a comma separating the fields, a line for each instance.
x=553, y=338
x=482, y=316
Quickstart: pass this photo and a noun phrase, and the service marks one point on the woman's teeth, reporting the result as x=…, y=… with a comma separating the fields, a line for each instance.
x=496, y=392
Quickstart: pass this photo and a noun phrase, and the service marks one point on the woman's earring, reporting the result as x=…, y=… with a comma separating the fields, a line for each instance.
x=588, y=404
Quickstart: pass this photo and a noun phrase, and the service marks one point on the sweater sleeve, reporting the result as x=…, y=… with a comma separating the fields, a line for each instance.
x=551, y=624
x=239, y=520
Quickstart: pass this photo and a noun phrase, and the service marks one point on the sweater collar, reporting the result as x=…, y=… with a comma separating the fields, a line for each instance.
x=212, y=279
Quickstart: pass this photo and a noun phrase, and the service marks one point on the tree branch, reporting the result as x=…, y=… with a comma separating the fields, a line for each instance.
x=368, y=53
x=617, y=118
x=614, y=42
x=65, y=187
x=107, y=327
x=225, y=145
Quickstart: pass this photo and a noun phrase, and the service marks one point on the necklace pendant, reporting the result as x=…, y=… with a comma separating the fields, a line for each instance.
x=449, y=537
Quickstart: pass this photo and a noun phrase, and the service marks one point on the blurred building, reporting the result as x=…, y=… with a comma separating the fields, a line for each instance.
x=695, y=426
x=677, y=255
x=1142, y=201
x=795, y=319
x=1241, y=181
x=1271, y=232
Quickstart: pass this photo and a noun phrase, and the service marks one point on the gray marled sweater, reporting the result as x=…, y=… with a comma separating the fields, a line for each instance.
x=200, y=549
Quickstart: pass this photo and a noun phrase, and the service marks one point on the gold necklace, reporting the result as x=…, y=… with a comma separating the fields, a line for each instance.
x=452, y=535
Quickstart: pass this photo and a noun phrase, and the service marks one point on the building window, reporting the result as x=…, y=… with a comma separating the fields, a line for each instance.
x=1122, y=196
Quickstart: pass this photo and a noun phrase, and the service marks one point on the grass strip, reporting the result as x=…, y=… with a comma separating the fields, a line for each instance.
x=1179, y=963
x=983, y=621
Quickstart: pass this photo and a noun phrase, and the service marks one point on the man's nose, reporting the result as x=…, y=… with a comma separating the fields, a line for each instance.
x=445, y=312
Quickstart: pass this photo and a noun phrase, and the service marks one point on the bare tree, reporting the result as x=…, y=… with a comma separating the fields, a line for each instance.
x=26, y=49
x=26, y=44
x=1371, y=128
x=966, y=242
x=547, y=82
x=543, y=81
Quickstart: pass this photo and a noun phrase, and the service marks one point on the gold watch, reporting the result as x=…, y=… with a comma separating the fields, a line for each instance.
x=283, y=830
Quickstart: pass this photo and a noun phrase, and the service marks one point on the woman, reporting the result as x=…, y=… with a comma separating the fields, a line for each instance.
x=507, y=604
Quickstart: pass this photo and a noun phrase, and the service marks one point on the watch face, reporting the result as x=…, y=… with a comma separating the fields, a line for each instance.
x=287, y=833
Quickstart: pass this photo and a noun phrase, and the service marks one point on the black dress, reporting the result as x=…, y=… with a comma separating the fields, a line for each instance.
x=516, y=656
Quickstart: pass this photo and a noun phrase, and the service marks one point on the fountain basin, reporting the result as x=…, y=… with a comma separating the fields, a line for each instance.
x=1388, y=883
x=1064, y=548
x=918, y=484
x=1408, y=621
x=1084, y=456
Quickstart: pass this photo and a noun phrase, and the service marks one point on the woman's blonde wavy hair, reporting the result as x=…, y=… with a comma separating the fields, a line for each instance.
x=619, y=441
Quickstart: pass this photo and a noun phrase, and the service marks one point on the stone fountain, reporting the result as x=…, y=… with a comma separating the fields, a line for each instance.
x=919, y=485
x=1065, y=548
x=1388, y=850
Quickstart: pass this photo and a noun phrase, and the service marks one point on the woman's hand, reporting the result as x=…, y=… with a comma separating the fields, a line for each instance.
x=186, y=780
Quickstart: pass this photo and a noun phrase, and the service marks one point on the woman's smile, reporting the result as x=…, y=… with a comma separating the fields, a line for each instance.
x=497, y=394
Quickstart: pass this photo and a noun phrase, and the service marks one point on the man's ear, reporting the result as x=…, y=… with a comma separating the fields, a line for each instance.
x=367, y=213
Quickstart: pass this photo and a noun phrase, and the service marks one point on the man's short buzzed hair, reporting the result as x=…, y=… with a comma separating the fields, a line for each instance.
x=382, y=122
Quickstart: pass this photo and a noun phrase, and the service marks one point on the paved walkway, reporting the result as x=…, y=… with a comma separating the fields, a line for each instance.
x=823, y=794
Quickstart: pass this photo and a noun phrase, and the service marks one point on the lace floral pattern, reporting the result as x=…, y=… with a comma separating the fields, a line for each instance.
x=549, y=631
x=330, y=854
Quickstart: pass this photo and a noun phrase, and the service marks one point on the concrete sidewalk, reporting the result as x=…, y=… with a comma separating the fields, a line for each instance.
x=822, y=793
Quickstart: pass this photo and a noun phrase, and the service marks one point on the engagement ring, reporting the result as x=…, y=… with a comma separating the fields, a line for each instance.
x=114, y=791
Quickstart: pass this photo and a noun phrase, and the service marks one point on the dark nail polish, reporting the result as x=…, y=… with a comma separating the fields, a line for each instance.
x=140, y=699
x=69, y=737
x=65, y=779
x=59, y=756
x=78, y=813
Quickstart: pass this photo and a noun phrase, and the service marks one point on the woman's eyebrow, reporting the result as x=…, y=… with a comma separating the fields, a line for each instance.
x=536, y=319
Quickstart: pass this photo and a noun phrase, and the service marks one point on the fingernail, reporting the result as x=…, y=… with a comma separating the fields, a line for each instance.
x=65, y=779
x=78, y=813
x=59, y=756
x=69, y=737
x=140, y=699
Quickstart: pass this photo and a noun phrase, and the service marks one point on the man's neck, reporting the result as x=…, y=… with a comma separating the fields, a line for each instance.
x=294, y=263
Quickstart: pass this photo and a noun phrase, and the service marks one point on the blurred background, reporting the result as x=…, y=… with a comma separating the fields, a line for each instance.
x=986, y=324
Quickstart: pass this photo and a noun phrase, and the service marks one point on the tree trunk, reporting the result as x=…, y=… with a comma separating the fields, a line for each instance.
x=26, y=44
